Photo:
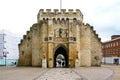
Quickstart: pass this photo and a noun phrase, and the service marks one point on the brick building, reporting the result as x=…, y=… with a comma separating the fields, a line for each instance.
x=111, y=50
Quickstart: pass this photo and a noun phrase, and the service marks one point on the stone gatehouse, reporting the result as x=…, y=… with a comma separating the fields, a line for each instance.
x=60, y=32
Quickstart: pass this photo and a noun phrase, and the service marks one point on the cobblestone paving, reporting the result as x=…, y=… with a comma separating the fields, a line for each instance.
x=60, y=74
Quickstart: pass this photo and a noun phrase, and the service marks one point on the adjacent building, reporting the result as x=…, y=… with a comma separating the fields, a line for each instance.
x=111, y=50
x=8, y=47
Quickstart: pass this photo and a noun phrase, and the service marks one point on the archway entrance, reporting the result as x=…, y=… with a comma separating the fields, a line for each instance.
x=60, y=58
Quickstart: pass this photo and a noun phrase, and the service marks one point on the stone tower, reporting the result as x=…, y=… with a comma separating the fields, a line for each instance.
x=60, y=33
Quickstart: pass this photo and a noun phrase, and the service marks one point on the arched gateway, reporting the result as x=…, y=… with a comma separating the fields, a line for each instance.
x=60, y=39
x=63, y=60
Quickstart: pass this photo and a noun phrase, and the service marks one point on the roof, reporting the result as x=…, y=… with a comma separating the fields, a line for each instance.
x=112, y=40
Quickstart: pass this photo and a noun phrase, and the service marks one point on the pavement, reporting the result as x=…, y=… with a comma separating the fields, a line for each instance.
x=106, y=72
x=116, y=69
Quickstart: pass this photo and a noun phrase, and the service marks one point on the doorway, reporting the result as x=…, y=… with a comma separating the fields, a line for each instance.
x=60, y=58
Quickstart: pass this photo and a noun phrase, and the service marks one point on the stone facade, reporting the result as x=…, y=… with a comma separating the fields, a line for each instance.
x=60, y=33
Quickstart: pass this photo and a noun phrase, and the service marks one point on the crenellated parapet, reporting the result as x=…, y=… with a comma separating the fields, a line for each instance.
x=49, y=14
x=94, y=31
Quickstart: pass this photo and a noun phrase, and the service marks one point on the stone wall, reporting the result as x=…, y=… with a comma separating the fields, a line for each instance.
x=60, y=29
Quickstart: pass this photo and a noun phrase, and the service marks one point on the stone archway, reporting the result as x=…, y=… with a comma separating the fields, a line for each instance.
x=64, y=57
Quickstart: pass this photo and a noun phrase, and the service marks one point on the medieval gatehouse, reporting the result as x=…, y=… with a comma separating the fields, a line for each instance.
x=60, y=34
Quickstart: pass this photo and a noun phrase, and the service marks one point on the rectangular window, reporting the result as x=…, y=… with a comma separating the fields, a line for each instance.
x=111, y=44
x=116, y=43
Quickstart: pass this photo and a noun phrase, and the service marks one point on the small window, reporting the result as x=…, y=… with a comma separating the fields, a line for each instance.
x=46, y=39
x=67, y=19
x=74, y=19
x=50, y=38
x=116, y=43
x=113, y=44
x=28, y=38
x=74, y=39
x=22, y=52
x=43, y=18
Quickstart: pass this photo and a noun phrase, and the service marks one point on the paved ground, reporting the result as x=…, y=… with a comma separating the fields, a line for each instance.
x=95, y=73
x=82, y=73
x=116, y=69
x=19, y=73
x=60, y=74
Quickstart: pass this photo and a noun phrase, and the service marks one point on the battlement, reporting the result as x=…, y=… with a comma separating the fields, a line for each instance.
x=56, y=13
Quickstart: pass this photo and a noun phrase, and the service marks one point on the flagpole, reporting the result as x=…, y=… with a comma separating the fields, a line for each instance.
x=60, y=5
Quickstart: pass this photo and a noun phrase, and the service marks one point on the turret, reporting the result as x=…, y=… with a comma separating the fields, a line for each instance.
x=48, y=14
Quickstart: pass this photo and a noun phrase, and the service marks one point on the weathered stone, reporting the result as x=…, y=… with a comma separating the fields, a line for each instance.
x=60, y=33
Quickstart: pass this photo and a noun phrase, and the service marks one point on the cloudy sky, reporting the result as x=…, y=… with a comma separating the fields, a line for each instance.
x=17, y=16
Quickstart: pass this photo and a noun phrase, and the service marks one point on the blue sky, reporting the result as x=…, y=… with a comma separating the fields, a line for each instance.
x=17, y=16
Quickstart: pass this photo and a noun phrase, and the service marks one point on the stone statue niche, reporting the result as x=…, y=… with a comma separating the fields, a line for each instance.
x=62, y=33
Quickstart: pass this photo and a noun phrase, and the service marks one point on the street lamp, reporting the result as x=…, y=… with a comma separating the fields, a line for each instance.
x=5, y=55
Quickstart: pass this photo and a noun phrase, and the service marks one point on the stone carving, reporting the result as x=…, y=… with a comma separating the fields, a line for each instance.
x=57, y=33
x=64, y=33
x=61, y=33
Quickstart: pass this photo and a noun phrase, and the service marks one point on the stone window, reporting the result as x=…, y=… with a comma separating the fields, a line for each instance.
x=22, y=52
x=28, y=38
x=74, y=39
x=58, y=19
x=74, y=19
x=96, y=58
x=46, y=39
x=67, y=19
x=50, y=38
x=47, y=19
x=62, y=18
x=43, y=18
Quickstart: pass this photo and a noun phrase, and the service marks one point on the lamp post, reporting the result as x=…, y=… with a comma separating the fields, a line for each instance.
x=5, y=56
